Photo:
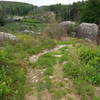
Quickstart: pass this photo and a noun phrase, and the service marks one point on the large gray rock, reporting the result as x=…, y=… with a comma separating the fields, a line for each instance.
x=7, y=36
x=88, y=31
x=67, y=26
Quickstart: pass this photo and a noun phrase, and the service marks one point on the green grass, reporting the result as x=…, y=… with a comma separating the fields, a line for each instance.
x=83, y=68
x=46, y=61
x=25, y=24
x=44, y=84
x=84, y=89
x=58, y=94
x=96, y=98
x=13, y=63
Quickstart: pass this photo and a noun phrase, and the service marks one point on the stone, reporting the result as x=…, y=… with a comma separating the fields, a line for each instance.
x=87, y=31
x=67, y=27
x=7, y=36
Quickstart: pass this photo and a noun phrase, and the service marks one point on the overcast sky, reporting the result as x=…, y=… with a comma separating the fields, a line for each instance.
x=45, y=2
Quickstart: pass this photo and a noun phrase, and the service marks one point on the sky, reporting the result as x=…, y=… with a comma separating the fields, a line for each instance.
x=45, y=2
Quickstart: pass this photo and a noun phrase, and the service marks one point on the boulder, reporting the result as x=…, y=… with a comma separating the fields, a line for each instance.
x=48, y=17
x=7, y=36
x=67, y=26
x=88, y=31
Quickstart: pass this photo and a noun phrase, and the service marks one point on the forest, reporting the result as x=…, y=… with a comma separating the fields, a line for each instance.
x=50, y=52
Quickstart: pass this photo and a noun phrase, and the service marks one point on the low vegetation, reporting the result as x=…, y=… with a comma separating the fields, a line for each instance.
x=13, y=63
x=71, y=72
x=77, y=64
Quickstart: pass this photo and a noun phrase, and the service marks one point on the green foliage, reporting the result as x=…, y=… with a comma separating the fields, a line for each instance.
x=58, y=90
x=2, y=21
x=49, y=71
x=46, y=61
x=10, y=75
x=96, y=98
x=91, y=57
x=84, y=89
x=90, y=12
x=15, y=8
x=30, y=20
x=85, y=64
x=66, y=12
x=13, y=64
x=2, y=17
x=59, y=93
x=83, y=67
x=46, y=84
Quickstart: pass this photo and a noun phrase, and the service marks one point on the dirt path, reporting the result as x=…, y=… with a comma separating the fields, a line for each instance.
x=35, y=75
x=67, y=83
x=34, y=58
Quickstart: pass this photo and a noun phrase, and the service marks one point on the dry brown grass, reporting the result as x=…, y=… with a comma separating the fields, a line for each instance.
x=56, y=32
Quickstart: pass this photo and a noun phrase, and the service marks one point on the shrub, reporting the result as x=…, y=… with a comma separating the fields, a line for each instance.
x=84, y=89
x=96, y=98
x=11, y=75
x=83, y=67
x=59, y=93
x=46, y=84
x=55, y=31
x=90, y=57
x=13, y=64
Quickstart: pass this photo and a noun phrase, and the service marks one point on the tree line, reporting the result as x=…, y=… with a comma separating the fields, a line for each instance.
x=82, y=11
x=15, y=8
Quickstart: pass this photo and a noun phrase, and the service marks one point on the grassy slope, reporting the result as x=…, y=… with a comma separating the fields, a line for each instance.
x=79, y=62
x=13, y=64
x=15, y=8
x=30, y=24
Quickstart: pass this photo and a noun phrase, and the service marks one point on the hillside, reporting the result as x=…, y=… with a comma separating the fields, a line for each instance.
x=15, y=8
x=49, y=52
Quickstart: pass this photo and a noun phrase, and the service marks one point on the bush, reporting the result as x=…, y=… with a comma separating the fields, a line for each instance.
x=83, y=67
x=90, y=56
x=84, y=89
x=55, y=31
x=10, y=76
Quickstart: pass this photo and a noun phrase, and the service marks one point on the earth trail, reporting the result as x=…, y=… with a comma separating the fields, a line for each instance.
x=34, y=76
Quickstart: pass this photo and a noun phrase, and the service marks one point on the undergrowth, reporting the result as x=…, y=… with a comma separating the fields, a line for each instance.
x=14, y=63
x=83, y=67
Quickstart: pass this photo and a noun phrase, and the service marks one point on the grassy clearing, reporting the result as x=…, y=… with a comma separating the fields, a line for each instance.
x=25, y=24
x=14, y=62
x=83, y=67
x=80, y=63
